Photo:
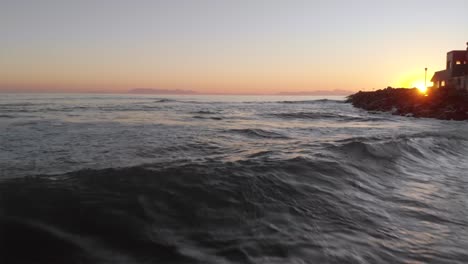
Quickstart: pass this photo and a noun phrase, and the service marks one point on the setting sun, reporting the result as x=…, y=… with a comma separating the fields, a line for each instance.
x=420, y=85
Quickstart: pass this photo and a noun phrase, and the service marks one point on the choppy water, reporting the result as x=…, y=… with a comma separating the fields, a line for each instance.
x=149, y=179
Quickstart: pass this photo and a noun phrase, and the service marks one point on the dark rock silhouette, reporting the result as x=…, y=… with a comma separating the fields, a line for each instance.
x=443, y=103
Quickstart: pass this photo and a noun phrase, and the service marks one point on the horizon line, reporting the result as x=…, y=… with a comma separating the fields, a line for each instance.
x=151, y=91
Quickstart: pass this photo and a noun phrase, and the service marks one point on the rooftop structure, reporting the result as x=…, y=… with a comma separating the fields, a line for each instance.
x=455, y=76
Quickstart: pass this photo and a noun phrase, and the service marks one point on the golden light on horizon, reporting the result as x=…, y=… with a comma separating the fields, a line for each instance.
x=420, y=86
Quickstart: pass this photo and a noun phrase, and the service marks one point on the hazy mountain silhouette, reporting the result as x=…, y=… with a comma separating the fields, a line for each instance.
x=318, y=92
x=160, y=91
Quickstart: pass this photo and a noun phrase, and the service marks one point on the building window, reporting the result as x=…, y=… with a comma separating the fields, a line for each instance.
x=442, y=84
x=458, y=62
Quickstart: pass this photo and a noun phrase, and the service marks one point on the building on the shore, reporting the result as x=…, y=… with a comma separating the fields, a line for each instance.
x=456, y=74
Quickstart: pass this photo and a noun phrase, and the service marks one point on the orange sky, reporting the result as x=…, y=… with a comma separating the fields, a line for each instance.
x=212, y=47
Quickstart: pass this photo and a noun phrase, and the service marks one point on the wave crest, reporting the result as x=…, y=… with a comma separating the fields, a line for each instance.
x=259, y=133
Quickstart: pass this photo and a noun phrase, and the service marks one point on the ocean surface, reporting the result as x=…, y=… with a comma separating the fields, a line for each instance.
x=234, y=179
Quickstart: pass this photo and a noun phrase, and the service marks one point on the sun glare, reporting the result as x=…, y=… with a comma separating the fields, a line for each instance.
x=421, y=87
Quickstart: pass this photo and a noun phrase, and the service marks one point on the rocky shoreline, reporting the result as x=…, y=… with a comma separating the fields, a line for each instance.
x=446, y=104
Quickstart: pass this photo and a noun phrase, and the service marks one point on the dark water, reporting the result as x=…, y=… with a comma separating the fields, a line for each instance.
x=127, y=179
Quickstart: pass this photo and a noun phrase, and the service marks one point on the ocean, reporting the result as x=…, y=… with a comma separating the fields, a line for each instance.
x=90, y=178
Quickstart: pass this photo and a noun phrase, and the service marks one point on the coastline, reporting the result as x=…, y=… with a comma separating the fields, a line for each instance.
x=443, y=103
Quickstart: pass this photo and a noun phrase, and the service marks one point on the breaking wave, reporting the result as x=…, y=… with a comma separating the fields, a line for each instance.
x=208, y=117
x=319, y=101
x=164, y=100
x=258, y=133
x=322, y=115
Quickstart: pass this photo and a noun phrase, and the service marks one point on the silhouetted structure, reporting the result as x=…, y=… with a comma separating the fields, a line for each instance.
x=456, y=74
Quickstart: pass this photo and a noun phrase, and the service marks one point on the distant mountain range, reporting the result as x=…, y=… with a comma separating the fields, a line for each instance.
x=181, y=92
x=160, y=91
x=318, y=92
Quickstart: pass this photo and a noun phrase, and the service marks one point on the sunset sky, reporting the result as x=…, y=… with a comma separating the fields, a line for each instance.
x=241, y=46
